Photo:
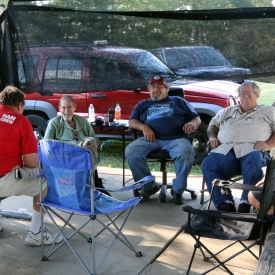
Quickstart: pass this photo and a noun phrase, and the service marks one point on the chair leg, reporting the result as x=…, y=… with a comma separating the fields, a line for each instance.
x=45, y=255
x=196, y=246
x=192, y=193
x=220, y=263
x=192, y=258
x=15, y=215
x=203, y=189
x=165, y=186
x=162, y=194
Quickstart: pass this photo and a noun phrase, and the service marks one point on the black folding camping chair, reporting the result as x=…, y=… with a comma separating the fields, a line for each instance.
x=237, y=227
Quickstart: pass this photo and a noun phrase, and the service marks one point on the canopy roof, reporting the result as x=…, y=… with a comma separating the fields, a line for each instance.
x=242, y=31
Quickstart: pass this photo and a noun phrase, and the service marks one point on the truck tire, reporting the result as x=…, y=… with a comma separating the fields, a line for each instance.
x=200, y=143
x=39, y=124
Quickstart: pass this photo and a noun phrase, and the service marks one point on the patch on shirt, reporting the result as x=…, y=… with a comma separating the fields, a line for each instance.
x=160, y=111
x=8, y=118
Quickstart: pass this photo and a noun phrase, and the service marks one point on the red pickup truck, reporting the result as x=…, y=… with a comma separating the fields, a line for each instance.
x=104, y=75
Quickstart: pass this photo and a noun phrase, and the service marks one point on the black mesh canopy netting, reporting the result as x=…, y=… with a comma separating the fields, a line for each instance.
x=120, y=44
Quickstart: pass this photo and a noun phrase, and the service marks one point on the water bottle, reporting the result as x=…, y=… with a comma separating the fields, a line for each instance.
x=117, y=112
x=91, y=112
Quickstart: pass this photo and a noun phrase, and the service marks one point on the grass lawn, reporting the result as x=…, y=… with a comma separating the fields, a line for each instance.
x=111, y=155
x=267, y=93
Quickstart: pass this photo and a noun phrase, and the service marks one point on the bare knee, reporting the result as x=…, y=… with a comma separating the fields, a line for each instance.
x=253, y=201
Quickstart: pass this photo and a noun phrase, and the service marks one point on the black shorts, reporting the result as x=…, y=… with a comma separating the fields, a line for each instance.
x=258, y=196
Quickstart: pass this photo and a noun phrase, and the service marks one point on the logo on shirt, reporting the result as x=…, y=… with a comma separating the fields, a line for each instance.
x=159, y=111
x=8, y=118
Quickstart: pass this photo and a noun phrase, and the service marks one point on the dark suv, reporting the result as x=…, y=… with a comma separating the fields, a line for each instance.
x=198, y=61
x=105, y=75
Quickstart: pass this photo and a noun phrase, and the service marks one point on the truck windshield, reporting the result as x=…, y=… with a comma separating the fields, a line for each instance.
x=188, y=58
x=148, y=64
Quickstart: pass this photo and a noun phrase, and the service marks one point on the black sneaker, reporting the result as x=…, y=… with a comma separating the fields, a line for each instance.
x=244, y=207
x=147, y=194
x=226, y=207
x=177, y=197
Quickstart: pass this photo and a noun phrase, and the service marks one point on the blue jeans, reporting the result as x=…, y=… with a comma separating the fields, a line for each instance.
x=219, y=166
x=180, y=150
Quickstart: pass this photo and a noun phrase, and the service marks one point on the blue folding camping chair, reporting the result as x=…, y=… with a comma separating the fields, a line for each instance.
x=69, y=172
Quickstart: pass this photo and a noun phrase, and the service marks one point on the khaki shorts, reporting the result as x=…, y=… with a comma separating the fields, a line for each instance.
x=90, y=143
x=11, y=186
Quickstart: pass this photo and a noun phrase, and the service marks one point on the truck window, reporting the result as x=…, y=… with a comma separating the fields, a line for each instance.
x=21, y=71
x=63, y=72
x=112, y=74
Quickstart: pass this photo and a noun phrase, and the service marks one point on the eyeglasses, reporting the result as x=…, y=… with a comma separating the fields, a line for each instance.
x=75, y=134
x=159, y=87
x=247, y=93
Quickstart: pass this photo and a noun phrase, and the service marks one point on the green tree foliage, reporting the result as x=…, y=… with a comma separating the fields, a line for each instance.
x=246, y=42
x=161, y=5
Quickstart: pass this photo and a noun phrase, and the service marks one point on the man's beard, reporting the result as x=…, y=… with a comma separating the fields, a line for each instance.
x=67, y=118
x=156, y=97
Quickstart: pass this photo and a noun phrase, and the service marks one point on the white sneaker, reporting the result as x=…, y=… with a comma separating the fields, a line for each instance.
x=49, y=238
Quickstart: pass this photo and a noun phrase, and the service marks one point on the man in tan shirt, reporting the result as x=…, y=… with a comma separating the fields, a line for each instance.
x=237, y=136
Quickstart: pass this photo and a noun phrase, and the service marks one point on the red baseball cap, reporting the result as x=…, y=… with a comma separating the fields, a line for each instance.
x=157, y=79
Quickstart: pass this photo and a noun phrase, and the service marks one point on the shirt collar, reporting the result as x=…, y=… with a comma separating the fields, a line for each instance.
x=67, y=124
x=252, y=110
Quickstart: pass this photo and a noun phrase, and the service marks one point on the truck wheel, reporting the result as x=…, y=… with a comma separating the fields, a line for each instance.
x=199, y=143
x=39, y=124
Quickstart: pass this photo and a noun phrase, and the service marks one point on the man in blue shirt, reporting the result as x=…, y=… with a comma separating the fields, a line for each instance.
x=165, y=122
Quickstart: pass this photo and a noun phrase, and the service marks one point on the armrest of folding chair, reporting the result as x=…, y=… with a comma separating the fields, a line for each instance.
x=246, y=217
x=134, y=132
x=227, y=185
x=235, y=185
x=134, y=186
